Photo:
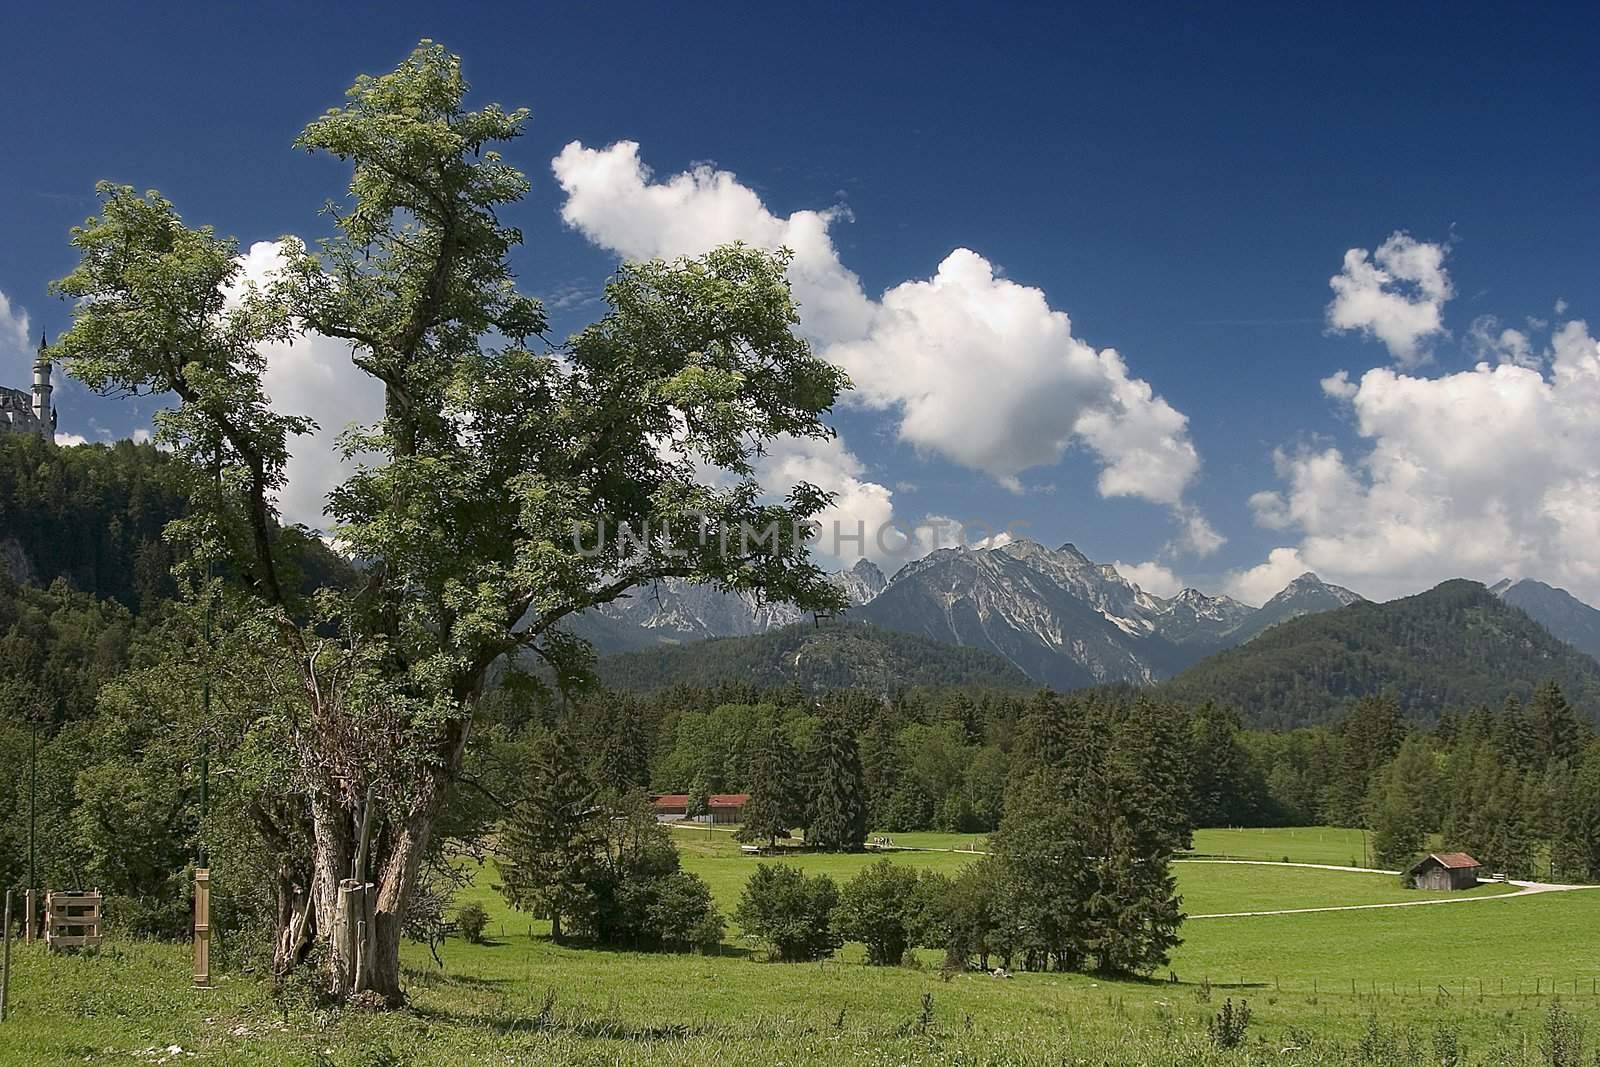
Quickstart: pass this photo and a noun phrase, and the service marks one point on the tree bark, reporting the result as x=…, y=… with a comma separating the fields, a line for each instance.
x=388, y=912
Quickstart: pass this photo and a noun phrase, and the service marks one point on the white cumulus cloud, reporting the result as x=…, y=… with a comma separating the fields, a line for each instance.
x=15, y=336
x=1485, y=473
x=1151, y=576
x=973, y=367
x=1395, y=294
x=862, y=521
x=313, y=376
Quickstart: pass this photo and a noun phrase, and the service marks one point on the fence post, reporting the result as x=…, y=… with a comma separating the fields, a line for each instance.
x=27, y=918
x=5, y=966
x=202, y=926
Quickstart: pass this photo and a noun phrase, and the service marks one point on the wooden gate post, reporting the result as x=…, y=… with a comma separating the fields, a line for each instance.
x=28, y=919
x=5, y=966
x=202, y=926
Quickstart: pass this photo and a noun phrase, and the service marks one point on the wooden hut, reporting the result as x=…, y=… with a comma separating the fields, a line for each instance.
x=1445, y=870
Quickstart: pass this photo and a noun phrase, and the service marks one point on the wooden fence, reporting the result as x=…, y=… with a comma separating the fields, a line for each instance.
x=72, y=919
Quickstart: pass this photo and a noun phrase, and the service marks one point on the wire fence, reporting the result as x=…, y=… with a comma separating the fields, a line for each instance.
x=1454, y=988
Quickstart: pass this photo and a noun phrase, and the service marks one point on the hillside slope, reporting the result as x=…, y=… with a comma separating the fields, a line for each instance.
x=1455, y=646
x=835, y=655
x=1556, y=610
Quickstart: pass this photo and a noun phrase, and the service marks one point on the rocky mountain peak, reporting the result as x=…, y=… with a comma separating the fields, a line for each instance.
x=863, y=581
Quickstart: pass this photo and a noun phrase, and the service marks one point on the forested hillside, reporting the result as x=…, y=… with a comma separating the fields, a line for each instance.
x=92, y=515
x=57, y=648
x=1455, y=646
x=835, y=655
x=1557, y=610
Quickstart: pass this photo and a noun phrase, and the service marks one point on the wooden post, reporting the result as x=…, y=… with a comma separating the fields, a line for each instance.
x=5, y=967
x=202, y=926
x=28, y=918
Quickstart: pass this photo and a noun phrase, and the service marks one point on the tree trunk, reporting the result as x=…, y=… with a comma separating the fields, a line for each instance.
x=360, y=916
x=388, y=912
x=555, y=925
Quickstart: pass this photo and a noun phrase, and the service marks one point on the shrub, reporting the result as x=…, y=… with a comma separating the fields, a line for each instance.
x=878, y=907
x=1228, y=1026
x=790, y=913
x=471, y=921
x=1561, y=1044
x=682, y=915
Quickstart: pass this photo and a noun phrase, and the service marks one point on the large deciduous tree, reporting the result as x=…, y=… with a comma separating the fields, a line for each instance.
x=508, y=485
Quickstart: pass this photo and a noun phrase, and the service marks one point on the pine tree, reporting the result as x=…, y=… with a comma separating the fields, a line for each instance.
x=1371, y=735
x=1513, y=735
x=1398, y=808
x=548, y=844
x=770, y=811
x=1559, y=735
x=624, y=762
x=1576, y=850
x=1085, y=848
x=838, y=811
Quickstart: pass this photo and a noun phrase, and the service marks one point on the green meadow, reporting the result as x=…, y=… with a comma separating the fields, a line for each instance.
x=1485, y=969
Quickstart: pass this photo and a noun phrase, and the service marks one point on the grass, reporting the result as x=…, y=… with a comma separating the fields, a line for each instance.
x=1212, y=888
x=1327, y=973
x=1206, y=887
x=1298, y=844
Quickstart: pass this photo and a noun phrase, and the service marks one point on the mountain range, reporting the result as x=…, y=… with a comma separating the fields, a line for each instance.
x=1060, y=619
x=1055, y=615
x=1455, y=646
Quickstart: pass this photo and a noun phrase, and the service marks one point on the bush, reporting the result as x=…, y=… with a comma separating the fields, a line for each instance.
x=790, y=913
x=471, y=921
x=682, y=915
x=1229, y=1025
x=879, y=907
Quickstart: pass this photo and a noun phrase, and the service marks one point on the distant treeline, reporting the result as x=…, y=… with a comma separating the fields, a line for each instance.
x=1505, y=782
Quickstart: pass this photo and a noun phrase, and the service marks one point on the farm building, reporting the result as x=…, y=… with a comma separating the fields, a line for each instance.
x=1445, y=870
x=724, y=807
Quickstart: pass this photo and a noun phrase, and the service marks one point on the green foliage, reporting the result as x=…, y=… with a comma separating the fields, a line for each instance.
x=969, y=915
x=548, y=842
x=790, y=913
x=1561, y=1043
x=492, y=471
x=1402, y=807
x=775, y=802
x=880, y=907
x=1228, y=1028
x=92, y=515
x=837, y=820
x=471, y=921
x=1090, y=827
x=1576, y=851
x=1227, y=788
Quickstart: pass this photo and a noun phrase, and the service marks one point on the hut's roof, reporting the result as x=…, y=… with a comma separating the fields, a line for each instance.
x=1454, y=861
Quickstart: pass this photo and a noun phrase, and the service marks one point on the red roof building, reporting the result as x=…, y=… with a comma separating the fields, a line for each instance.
x=724, y=807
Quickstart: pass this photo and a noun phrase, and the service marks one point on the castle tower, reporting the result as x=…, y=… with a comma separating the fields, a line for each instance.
x=43, y=410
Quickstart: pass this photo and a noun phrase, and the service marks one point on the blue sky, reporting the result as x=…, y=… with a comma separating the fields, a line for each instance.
x=1183, y=187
